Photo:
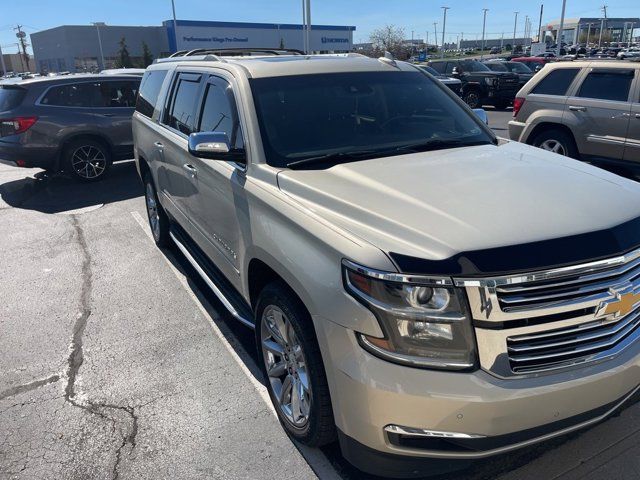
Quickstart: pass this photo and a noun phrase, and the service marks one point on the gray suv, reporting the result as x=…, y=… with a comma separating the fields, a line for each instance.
x=586, y=110
x=418, y=288
x=77, y=124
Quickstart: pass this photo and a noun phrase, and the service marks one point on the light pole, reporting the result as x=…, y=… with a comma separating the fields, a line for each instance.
x=175, y=24
x=484, y=23
x=308, y=26
x=588, y=34
x=601, y=28
x=560, y=32
x=4, y=67
x=435, y=30
x=444, y=26
x=515, y=25
x=97, y=25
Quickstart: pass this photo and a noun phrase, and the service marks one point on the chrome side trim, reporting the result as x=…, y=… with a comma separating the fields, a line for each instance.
x=214, y=288
x=396, y=277
x=606, y=140
x=515, y=446
x=419, y=432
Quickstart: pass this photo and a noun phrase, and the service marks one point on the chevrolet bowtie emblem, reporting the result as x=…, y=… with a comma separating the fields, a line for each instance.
x=621, y=305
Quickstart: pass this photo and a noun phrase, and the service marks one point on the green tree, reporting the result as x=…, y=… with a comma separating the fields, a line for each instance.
x=147, y=56
x=124, y=59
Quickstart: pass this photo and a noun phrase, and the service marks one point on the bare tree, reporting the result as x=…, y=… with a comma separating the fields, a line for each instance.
x=389, y=39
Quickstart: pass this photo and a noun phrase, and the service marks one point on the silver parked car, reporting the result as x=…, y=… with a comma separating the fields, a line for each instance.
x=586, y=110
x=418, y=288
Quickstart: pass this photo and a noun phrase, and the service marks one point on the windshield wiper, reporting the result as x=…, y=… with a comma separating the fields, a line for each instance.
x=439, y=143
x=330, y=158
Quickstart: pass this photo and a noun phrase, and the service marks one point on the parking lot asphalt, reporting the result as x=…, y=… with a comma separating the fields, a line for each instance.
x=117, y=363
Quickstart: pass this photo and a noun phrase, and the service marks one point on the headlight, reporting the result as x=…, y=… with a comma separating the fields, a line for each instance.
x=491, y=81
x=424, y=320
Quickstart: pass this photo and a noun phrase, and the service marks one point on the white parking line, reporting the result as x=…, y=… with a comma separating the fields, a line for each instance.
x=314, y=457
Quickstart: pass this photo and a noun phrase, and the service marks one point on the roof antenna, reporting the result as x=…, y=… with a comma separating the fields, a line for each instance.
x=388, y=59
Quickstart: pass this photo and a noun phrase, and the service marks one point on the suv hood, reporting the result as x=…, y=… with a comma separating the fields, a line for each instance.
x=437, y=205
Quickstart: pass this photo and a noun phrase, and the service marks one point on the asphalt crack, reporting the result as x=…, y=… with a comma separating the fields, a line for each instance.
x=76, y=357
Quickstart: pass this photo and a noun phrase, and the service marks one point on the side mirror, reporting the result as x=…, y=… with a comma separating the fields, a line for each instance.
x=482, y=115
x=214, y=146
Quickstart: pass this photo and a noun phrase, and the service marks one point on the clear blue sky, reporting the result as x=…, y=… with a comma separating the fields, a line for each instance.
x=417, y=15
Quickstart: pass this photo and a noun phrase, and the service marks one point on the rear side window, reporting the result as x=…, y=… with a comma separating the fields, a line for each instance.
x=11, y=97
x=181, y=114
x=556, y=82
x=74, y=95
x=149, y=91
x=108, y=94
x=119, y=94
x=219, y=112
x=607, y=85
x=438, y=66
x=497, y=67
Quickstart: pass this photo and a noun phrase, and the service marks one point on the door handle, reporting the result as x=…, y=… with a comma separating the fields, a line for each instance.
x=191, y=169
x=108, y=114
x=574, y=108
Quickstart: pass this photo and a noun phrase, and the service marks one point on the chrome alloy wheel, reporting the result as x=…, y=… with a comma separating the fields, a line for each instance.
x=286, y=366
x=88, y=162
x=152, y=211
x=554, y=146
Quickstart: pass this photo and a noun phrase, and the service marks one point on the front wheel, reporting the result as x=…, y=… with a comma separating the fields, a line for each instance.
x=472, y=98
x=293, y=366
x=158, y=220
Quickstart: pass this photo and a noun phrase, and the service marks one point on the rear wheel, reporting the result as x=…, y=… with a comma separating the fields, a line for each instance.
x=87, y=160
x=158, y=220
x=556, y=141
x=293, y=366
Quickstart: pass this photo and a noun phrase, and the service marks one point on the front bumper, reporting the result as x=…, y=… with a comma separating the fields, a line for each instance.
x=369, y=394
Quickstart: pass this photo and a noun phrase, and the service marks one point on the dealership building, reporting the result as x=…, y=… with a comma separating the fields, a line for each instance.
x=81, y=48
x=575, y=29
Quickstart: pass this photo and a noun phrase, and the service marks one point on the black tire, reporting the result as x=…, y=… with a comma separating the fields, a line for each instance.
x=86, y=159
x=158, y=219
x=557, y=141
x=319, y=428
x=472, y=98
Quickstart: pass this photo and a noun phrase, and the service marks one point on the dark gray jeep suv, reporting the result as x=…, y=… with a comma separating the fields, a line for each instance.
x=78, y=124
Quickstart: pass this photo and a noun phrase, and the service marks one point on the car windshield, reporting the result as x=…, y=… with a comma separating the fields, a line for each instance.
x=497, y=67
x=518, y=67
x=473, y=66
x=338, y=117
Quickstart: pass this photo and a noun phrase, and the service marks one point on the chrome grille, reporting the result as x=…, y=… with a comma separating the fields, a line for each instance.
x=545, y=321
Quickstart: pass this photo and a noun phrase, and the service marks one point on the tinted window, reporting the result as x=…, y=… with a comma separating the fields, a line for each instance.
x=93, y=94
x=556, y=82
x=367, y=113
x=438, y=66
x=149, y=91
x=119, y=93
x=10, y=97
x=518, y=67
x=497, y=67
x=430, y=70
x=219, y=113
x=607, y=85
x=181, y=115
x=473, y=66
x=74, y=95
